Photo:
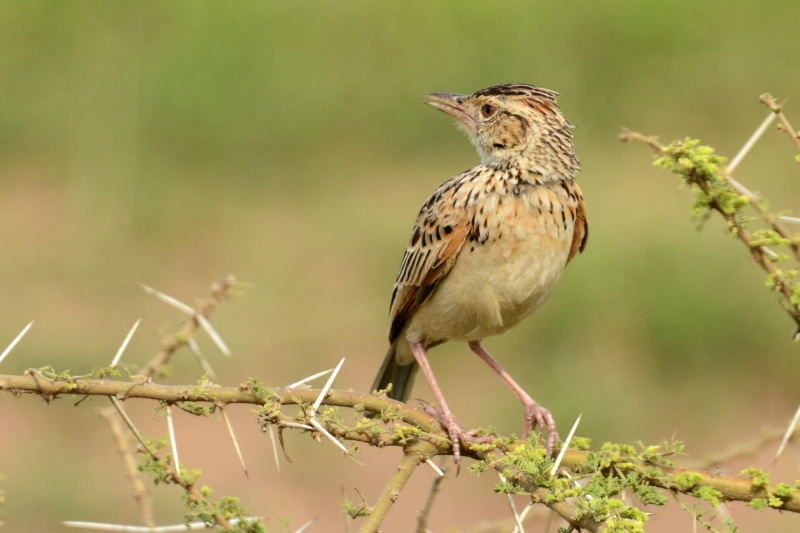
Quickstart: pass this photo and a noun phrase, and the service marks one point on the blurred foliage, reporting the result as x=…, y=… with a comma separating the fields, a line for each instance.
x=285, y=142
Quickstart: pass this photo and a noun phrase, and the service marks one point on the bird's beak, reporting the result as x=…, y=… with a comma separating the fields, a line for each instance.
x=453, y=105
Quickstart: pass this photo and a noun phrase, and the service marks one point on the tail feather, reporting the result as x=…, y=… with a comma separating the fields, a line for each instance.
x=401, y=377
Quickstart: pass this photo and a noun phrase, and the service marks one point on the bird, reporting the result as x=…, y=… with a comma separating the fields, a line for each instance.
x=488, y=245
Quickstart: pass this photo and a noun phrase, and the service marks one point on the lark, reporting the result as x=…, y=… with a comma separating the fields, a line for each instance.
x=489, y=245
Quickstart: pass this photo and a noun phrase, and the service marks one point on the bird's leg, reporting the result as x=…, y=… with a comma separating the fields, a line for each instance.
x=455, y=431
x=534, y=413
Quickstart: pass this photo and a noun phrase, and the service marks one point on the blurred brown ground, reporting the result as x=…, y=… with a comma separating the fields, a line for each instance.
x=174, y=143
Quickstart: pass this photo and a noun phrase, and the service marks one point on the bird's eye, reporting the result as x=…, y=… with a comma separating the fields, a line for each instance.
x=488, y=110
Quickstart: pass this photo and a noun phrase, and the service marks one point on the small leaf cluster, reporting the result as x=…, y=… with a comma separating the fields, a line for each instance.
x=699, y=166
x=354, y=510
x=597, y=488
x=201, y=508
x=771, y=498
x=228, y=508
x=262, y=392
x=603, y=479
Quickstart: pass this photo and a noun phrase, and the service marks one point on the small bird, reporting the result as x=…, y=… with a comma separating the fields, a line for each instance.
x=489, y=245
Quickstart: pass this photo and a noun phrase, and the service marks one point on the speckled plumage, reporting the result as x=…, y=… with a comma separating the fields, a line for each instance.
x=489, y=245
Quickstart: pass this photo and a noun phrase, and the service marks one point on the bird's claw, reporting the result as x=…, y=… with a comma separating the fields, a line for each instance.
x=536, y=415
x=456, y=433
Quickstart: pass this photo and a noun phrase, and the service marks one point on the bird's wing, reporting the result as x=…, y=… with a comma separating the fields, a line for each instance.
x=441, y=229
x=581, y=232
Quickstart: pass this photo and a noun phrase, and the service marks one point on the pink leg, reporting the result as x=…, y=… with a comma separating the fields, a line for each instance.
x=533, y=411
x=456, y=433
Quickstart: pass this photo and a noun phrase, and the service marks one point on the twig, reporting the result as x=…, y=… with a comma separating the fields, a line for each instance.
x=220, y=292
x=412, y=458
x=545, y=496
x=422, y=519
x=785, y=126
x=141, y=492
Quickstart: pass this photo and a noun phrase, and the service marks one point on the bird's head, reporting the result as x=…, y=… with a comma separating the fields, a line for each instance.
x=514, y=125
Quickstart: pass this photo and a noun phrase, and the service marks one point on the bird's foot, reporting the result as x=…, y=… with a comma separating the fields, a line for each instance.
x=456, y=433
x=536, y=415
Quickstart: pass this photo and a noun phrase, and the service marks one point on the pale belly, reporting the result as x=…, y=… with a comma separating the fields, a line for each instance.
x=494, y=285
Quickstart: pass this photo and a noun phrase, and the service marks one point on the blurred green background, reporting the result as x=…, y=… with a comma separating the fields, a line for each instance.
x=172, y=143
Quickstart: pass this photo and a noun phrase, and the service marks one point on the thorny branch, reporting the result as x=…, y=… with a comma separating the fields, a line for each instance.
x=719, y=192
x=430, y=434
x=220, y=291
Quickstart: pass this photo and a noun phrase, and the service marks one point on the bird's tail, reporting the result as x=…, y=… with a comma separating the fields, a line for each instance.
x=401, y=377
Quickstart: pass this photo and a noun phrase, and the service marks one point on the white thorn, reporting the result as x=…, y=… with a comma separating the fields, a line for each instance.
x=750, y=142
x=564, y=447
x=513, y=506
x=125, y=343
x=309, y=378
x=233, y=438
x=296, y=425
x=173, y=442
x=522, y=516
x=274, y=448
x=434, y=467
x=770, y=253
x=788, y=434
x=15, y=341
x=195, y=348
x=741, y=189
x=306, y=526
x=206, y=325
x=98, y=526
x=169, y=300
x=326, y=388
x=333, y=439
x=121, y=410
x=791, y=220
